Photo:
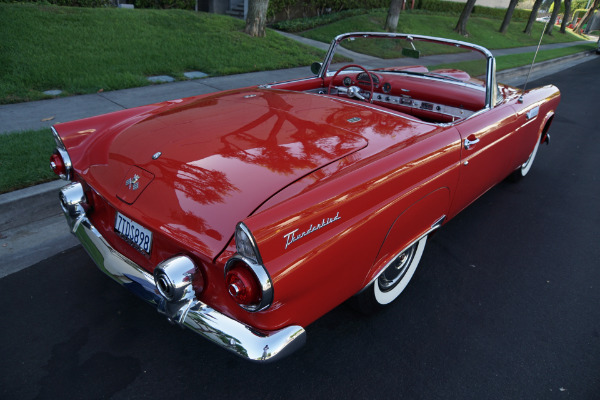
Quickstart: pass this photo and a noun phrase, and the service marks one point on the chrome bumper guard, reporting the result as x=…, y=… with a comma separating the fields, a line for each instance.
x=226, y=332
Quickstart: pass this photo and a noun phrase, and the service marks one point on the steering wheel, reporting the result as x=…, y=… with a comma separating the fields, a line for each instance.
x=353, y=91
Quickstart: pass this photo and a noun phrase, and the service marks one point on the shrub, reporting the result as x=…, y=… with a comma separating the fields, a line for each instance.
x=293, y=9
x=449, y=7
x=303, y=24
x=68, y=3
x=166, y=4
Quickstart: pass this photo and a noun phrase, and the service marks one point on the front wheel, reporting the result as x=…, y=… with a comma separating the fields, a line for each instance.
x=526, y=166
x=391, y=281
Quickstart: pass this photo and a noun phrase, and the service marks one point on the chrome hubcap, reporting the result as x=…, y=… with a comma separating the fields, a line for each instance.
x=394, y=273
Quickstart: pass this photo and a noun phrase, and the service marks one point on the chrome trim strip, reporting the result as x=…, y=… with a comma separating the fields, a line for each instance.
x=241, y=226
x=62, y=151
x=468, y=45
x=57, y=139
x=490, y=83
x=436, y=108
x=273, y=85
x=382, y=109
x=222, y=330
x=437, y=223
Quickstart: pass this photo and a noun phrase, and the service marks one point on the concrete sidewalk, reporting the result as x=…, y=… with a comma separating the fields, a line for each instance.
x=32, y=227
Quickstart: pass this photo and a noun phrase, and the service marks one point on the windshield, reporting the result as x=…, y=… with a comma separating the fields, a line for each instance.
x=432, y=58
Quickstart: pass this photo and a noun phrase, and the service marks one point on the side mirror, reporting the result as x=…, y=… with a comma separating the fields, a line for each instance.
x=316, y=67
x=411, y=53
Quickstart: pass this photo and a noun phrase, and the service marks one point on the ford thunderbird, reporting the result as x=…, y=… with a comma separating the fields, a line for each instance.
x=245, y=215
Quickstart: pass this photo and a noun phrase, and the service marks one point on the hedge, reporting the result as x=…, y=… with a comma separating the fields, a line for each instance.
x=433, y=6
x=167, y=4
x=323, y=9
x=180, y=4
x=68, y=3
x=450, y=7
x=303, y=24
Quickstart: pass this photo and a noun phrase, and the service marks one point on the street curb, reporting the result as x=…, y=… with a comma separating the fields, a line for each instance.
x=28, y=205
x=508, y=74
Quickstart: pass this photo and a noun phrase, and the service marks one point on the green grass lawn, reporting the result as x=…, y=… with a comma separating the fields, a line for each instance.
x=25, y=159
x=475, y=68
x=84, y=50
x=482, y=31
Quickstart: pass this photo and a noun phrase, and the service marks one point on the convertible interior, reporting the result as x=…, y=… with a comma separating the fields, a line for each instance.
x=435, y=90
x=439, y=96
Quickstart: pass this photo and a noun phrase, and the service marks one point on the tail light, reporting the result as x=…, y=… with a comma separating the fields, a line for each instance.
x=57, y=164
x=243, y=286
x=60, y=162
x=246, y=278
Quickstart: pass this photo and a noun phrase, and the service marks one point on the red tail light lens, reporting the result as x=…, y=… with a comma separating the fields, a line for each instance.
x=60, y=162
x=243, y=285
x=57, y=164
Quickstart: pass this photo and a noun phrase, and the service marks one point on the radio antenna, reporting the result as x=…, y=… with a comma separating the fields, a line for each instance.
x=533, y=61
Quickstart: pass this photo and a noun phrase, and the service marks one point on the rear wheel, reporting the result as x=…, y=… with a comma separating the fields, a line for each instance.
x=391, y=281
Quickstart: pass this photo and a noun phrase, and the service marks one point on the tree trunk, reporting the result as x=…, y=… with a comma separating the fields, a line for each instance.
x=552, y=21
x=566, y=17
x=461, y=26
x=534, y=11
x=586, y=16
x=256, y=19
x=391, y=22
x=508, y=16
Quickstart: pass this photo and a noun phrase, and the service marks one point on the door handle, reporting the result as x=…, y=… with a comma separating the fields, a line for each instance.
x=469, y=143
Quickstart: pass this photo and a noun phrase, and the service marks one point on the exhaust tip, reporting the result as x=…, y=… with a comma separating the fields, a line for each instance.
x=173, y=277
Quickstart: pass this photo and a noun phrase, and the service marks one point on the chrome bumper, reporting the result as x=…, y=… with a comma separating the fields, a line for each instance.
x=228, y=333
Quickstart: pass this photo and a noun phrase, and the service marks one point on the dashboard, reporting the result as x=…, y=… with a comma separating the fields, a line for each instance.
x=424, y=97
x=407, y=101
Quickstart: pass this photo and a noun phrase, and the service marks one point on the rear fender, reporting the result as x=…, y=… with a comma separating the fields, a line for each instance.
x=418, y=220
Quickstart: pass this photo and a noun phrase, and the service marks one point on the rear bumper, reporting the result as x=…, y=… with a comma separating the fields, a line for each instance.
x=228, y=333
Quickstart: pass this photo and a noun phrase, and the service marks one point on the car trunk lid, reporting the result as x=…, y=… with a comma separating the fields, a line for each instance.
x=196, y=167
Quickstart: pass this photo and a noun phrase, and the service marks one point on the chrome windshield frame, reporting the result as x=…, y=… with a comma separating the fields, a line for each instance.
x=490, y=75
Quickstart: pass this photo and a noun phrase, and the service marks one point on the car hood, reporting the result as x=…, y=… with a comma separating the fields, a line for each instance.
x=193, y=168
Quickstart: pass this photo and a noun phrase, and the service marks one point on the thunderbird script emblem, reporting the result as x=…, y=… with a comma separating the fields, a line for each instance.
x=292, y=236
x=132, y=183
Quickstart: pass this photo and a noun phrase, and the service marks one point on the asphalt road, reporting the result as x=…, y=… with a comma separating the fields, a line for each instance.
x=505, y=305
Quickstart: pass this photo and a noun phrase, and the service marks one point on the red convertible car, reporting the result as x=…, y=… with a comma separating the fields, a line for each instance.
x=246, y=215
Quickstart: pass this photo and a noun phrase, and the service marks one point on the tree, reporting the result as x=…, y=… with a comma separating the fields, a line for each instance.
x=257, y=17
x=391, y=22
x=534, y=11
x=461, y=26
x=508, y=16
x=552, y=21
x=566, y=17
x=586, y=16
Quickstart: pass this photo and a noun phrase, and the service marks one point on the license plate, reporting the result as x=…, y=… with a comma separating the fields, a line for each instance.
x=133, y=233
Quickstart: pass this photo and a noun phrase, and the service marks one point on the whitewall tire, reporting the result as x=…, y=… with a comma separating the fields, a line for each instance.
x=392, y=281
x=526, y=166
